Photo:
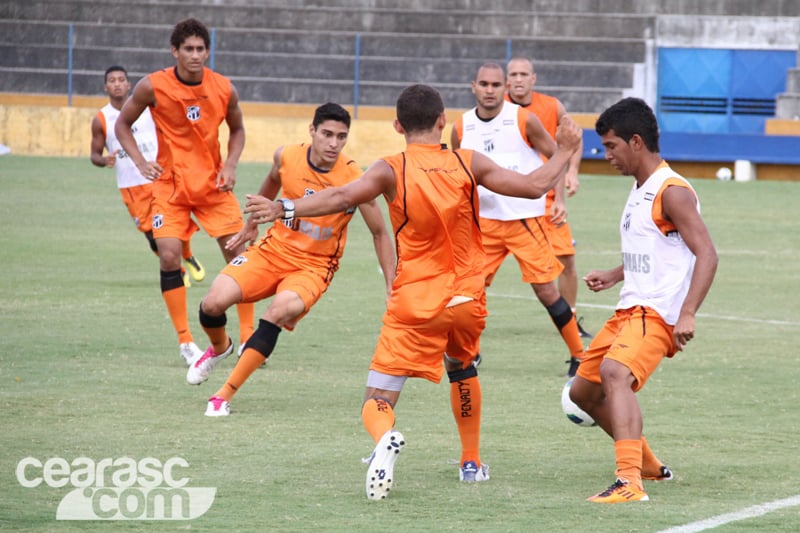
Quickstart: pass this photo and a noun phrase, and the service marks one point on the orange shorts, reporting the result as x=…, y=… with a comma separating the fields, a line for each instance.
x=219, y=218
x=560, y=237
x=139, y=200
x=637, y=337
x=527, y=241
x=261, y=274
x=416, y=350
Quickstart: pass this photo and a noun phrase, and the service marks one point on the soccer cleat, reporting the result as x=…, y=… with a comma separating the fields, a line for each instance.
x=190, y=352
x=582, y=332
x=620, y=492
x=195, y=269
x=664, y=474
x=200, y=369
x=574, y=363
x=470, y=473
x=218, y=407
x=380, y=472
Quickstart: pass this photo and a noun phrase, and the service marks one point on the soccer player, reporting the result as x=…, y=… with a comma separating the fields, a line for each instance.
x=437, y=304
x=136, y=190
x=668, y=264
x=188, y=103
x=520, y=84
x=515, y=138
x=295, y=260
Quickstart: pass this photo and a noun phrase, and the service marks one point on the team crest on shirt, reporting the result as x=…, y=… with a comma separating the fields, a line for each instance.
x=626, y=224
x=158, y=221
x=488, y=145
x=308, y=192
x=193, y=112
x=239, y=260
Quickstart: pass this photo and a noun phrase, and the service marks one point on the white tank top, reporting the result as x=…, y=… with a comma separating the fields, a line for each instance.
x=501, y=140
x=658, y=266
x=144, y=131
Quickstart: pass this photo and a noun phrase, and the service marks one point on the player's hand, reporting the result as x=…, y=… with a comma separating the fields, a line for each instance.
x=571, y=184
x=226, y=179
x=150, y=170
x=247, y=235
x=568, y=134
x=558, y=215
x=600, y=280
x=684, y=330
x=262, y=209
x=111, y=159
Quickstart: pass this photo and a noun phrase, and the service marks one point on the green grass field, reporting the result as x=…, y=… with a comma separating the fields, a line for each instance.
x=89, y=368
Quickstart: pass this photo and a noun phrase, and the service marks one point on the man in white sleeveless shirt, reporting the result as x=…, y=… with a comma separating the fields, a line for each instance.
x=514, y=138
x=136, y=190
x=668, y=264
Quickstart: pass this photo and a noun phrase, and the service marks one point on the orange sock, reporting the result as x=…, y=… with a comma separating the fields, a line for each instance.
x=650, y=463
x=247, y=364
x=629, y=461
x=246, y=321
x=218, y=338
x=572, y=336
x=378, y=417
x=465, y=400
x=176, y=307
x=186, y=250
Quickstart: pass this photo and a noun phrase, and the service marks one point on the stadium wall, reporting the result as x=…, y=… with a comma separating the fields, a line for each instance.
x=44, y=125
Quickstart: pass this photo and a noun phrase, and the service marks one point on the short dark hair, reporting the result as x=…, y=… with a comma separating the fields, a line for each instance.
x=418, y=108
x=628, y=117
x=331, y=111
x=115, y=68
x=189, y=28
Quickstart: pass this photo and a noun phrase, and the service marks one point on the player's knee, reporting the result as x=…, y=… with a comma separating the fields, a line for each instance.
x=462, y=373
x=210, y=319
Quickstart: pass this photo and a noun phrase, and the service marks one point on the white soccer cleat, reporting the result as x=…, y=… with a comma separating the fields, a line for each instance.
x=218, y=407
x=380, y=473
x=470, y=473
x=201, y=368
x=190, y=352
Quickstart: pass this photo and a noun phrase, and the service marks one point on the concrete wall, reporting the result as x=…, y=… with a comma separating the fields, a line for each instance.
x=45, y=125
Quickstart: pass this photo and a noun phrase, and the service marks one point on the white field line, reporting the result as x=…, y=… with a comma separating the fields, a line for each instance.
x=749, y=512
x=700, y=315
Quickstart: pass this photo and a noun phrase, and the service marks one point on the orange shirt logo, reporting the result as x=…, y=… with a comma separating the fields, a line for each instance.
x=193, y=112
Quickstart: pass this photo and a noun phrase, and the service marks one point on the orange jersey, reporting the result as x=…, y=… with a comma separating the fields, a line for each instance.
x=317, y=242
x=187, y=121
x=435, y=218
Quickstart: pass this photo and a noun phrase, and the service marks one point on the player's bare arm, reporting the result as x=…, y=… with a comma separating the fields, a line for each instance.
x=226, y=179
x=600, y=280
x=142, y=97
x=679, y=205
x=455, y=142
x=538, y=137
x=538, y=182
x=381, y=240
x=269, y=189
x=571, y=181
x=378, y=179
x=98, y=145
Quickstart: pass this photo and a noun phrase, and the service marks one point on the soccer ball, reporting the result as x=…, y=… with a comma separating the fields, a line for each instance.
x=575, y=414
x=724, y=174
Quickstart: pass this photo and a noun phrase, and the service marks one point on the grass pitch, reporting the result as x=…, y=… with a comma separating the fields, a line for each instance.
x=89, y=367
